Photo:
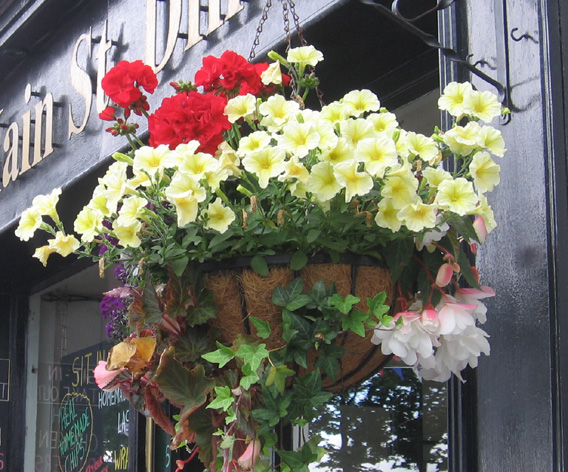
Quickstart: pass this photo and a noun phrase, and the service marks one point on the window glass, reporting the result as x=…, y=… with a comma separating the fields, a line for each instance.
x=77, y=426
x=391, y=422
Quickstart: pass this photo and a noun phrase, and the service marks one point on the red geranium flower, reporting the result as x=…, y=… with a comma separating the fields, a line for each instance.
x=187, y=116
x=122, y=83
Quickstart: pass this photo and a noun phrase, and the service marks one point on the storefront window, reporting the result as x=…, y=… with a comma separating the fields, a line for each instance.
x=76, y=426
x=391, y=422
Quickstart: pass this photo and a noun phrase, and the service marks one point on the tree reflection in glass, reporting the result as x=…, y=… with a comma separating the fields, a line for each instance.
x=392, y=422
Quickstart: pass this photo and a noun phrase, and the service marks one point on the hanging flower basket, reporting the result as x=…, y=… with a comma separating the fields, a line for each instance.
x=240, y=292
x=238, y=169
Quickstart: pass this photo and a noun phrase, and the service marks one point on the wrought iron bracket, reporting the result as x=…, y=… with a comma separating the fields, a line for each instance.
x=395, y=15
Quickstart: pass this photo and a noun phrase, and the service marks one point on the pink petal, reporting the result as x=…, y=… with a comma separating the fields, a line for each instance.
x=480, y=228
x=444, y=276
x=104, y=377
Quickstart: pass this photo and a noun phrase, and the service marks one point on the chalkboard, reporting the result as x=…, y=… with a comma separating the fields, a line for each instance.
x=88, y=427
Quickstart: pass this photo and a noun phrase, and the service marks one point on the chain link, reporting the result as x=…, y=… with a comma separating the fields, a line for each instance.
x=263, y=19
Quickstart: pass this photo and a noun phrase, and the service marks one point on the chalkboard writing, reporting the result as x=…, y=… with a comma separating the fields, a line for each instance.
x=75, y=432
x=4, y=380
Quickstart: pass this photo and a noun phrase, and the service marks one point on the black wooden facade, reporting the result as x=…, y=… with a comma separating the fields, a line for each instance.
x=510, y=414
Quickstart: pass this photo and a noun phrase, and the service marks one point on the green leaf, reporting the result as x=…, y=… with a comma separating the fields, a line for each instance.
x=298, y=261
x=221, y=356
x=187, y=388
x=465, y=269
x=259, y=265
x=179, y=265
x=319, y=292
x=248, y=380
x=280, y=296
x=223, y=399
x=295, y=288
x=262, y=327
x=464, y=226
x=219, y=238
x=252, y=355
x=267, y=416
x=277, y=376
x=343, y=305
x=355, y=322
x=300, y=301
x=313, y=235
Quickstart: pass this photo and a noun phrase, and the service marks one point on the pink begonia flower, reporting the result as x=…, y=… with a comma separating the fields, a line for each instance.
x=408, y=340
x=104, y=377
x=455, y=317
x=249, y=457
x=445, y=274
x=430, y=319
x=472, y=296
x=480, y=228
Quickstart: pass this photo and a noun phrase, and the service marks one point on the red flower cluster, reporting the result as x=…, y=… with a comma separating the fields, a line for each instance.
x=122, y=84
x=187, y=116
x=230, y=75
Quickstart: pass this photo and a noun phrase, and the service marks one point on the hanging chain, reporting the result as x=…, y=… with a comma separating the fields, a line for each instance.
x=296, y=18
x=263, y=19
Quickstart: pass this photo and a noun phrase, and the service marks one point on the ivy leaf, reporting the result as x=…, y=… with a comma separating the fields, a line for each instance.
x=319, y=292
x=277, y=376
x=223, y=399
x=294, y=289
x=262, y=327
x=308, y=393
x=280, y=296
x=355, y=322
x=343, y=305
x=259, y=265
x=221, y=356
x=300, y=301
x=265, y=415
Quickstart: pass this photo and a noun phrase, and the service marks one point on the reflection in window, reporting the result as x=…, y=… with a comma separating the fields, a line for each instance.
x=392, y=422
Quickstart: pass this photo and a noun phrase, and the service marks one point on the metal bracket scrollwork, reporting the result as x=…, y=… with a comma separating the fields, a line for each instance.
x=395, y=15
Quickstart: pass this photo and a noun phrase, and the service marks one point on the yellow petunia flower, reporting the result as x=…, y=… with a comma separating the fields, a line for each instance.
x=88, y=224
x=400, y=187
x=304, y=56
x=383, y=122
x=299, y=138
x=64, y=244
x=197, y=165
x=435, y=175
x=218, y=216
x=272, y=74
x=186, y=208
x=457, y=196
x=423, y=147
x=492, y=140
x=418, y=216
x=482, y=105
x=358, y=102
x=128, y=234
x=343, y=151
x=266, y=163
x=131, y=209
x=294, y=170
x=253, y=142
x=154, y=160
x=43, y=253
x=354, y=182
x=485, y=172
x=377, y=154
x=322, y=182
x=276, y=112
x=453, y=97
x=29, y=222
x=387, y=216
x=241, y=106
x=354, y=130
x=45, y=204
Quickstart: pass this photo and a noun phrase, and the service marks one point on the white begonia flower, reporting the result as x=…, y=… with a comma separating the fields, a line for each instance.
x=383, y=122
x=485, y=172
x=276, y=112
x=272, y=74
x=253, y=142
x=387, y=216
x=343, y=151
x=218, y=216
x=455, y=317
x=377, y=154
x=423, y=147
x=304, y=56
x=408, y=340
x=418, y=216
x=435, y=175
x=322, y=182
x=354, y=182
x=482, y=105
x=266, y=163
x=30, y=221
x=88, y=224
x=492, y=140
x=299, y=138
x=457, y=196
x=472, y=296
x=354, y=130
x=241, y=106
x=359, y=102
